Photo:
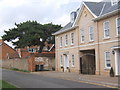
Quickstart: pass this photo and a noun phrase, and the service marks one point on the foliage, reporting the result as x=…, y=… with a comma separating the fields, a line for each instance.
x=29, y=34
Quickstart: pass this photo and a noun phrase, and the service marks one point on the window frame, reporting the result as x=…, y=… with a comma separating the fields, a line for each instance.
x=82, y=35
x=105, y=54
x=73, y=60
x=114, y=2
x=72, y=38
x=117, y=26
x=66, y=40
x=61, y=41
x=61, y=60
x=108, y=29
x=91, y=33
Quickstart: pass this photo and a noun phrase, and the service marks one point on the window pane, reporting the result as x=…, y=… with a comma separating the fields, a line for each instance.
x=107, y=59
x=118, y=21
x=118, y=30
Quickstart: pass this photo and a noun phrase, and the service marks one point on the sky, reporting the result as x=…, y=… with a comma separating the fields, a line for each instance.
x=43, y=11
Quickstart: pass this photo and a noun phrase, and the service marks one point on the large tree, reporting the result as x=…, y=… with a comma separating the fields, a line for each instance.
x=31, y=33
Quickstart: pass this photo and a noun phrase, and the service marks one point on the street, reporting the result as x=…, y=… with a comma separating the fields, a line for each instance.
x=26, y=80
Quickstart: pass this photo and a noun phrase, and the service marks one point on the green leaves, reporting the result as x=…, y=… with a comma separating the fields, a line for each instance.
x=29, y=33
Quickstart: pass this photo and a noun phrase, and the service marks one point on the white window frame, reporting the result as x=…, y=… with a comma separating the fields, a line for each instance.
x=61, y=60
x=114, y=2
x=82, y=35
x=105, y=54
x=73, y=60
x=117, y=26
x=66, y=40
x=60, y=41
x=106, y=29
x=72, y=38
x=91, y=33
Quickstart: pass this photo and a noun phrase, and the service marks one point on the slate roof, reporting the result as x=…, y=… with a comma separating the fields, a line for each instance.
x=65, y=28
x=97, y=8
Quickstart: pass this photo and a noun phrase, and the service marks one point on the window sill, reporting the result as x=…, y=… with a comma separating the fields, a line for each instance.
x=91, y=41
x=107, y=68
x=82, y=42
x=72, y=44
x=106, y=38
x=118, y=36
x=73, y=66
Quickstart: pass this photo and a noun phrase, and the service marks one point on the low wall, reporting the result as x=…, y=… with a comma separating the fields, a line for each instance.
x=21, y=64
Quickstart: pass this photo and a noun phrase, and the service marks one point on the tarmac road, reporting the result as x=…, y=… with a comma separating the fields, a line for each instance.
x=27, y=80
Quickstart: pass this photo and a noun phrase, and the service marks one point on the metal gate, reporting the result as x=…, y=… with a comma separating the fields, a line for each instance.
x=87, y=64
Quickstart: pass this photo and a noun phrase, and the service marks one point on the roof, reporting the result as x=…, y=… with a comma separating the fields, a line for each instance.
x=98, y=9
x=65, y=28
x=101, y=8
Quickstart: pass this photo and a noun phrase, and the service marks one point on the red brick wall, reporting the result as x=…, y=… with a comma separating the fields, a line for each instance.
x=7, y=51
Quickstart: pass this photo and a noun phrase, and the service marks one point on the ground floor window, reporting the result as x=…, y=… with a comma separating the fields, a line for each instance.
x=73, y=61
x=107, y=60
x=61, y=60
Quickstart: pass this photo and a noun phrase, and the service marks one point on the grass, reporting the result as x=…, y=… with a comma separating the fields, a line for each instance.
x=4, y=84
x=15, y=69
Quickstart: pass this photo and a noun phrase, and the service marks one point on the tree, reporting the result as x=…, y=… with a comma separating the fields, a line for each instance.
x=29, y=34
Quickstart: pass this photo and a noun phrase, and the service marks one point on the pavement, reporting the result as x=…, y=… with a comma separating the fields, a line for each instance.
x=111, y=82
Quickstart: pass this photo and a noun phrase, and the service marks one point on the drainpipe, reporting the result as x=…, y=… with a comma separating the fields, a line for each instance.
x=98, y=45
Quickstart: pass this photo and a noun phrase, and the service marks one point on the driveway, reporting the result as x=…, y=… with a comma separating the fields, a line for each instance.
x=27, y=80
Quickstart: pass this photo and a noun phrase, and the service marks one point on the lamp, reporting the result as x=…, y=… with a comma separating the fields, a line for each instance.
x=113, y=52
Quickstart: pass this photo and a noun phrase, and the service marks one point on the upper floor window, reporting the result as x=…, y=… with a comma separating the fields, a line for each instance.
x=118, y=26
x=114, y=2
x=32, y=50
x=107, y=60
x=66, y=40
x=72, y=38
x=91, y=33
x=60, y=41
x=73, y=61
x=82, y=36
x=106, y=29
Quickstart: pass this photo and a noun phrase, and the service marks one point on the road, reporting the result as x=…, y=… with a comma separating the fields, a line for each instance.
x=26, y=80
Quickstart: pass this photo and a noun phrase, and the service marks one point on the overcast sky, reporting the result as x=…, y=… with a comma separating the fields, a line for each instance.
x=43, y=11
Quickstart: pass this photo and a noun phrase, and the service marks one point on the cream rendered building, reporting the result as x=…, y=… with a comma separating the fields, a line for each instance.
x=89, y=44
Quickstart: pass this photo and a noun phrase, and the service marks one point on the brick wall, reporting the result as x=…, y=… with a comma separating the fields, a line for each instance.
x=21, y=64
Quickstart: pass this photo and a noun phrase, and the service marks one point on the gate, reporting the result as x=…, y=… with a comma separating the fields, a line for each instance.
x=87, y=64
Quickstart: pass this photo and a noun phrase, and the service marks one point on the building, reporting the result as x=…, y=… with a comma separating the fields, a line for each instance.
x=27, y=51
x=89, y=43
x=7, y=52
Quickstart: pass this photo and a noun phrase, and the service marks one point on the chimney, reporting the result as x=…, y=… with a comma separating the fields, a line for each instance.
x=73, y=16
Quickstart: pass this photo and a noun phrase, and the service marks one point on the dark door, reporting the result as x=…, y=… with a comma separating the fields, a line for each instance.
x=37, y=68
x=87, y=64
x=41, y=67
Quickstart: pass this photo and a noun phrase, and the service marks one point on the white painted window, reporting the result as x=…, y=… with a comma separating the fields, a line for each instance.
x=61, y=61
x=107, y=60
x=118, y=25
x=60, y=41
x=82, y=36
x=91, y=33
x=72, y=38
x=32, y=50
x=66, y=40
x=106, y=29
x=114, y=2
x=73, y=61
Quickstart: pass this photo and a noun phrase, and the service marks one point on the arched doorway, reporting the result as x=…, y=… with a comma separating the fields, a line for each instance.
x=87, y=64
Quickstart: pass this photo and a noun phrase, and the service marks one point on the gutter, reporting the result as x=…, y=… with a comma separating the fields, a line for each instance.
x=106, y=15
x=66, y=30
